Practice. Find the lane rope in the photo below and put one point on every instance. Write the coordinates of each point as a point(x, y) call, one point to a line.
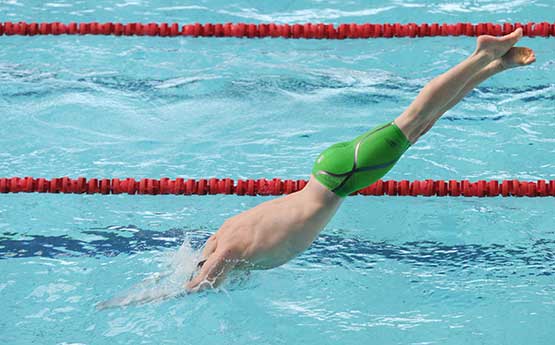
point(275, 186)
point(251, 30)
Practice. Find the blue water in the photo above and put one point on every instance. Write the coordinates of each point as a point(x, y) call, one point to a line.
point(385, 270)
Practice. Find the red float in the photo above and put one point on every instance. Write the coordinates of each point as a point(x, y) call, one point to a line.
point(295, 31)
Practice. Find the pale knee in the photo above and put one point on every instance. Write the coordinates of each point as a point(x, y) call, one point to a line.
point(426, 129)
point(413, 125)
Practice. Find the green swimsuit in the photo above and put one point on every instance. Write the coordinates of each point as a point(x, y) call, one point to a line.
point(349, 166)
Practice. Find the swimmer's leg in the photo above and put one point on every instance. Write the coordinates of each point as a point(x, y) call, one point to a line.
point(516, 56)
point(349, 166)
point(446, 90)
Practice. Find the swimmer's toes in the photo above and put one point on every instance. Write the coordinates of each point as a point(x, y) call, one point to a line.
point(518, 56)
point(527, 56)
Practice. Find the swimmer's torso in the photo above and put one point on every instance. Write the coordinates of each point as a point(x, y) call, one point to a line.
point(282, 227)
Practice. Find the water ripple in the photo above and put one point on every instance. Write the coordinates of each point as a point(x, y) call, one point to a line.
point(329, 250)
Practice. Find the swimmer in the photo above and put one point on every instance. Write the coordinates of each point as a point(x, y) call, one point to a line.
point(275, 231)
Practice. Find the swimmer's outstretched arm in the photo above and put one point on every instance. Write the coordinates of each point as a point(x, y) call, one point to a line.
point(274, 232)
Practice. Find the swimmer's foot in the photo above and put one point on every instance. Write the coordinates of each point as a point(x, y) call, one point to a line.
point(495, 47)
point(515, 57)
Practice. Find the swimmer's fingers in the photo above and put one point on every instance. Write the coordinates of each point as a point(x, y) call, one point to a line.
point(212, 273)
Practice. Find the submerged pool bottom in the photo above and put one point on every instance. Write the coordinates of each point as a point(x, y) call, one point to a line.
point(398, 270)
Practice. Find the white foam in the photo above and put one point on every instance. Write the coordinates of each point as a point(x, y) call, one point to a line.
point(308, 15)
point(160, 286)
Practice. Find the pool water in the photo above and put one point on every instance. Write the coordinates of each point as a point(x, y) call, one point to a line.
point(389, 270)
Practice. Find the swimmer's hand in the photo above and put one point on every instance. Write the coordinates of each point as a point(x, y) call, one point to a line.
point(266, 236)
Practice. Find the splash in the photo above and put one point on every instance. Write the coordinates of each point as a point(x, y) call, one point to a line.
point(160, 286)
